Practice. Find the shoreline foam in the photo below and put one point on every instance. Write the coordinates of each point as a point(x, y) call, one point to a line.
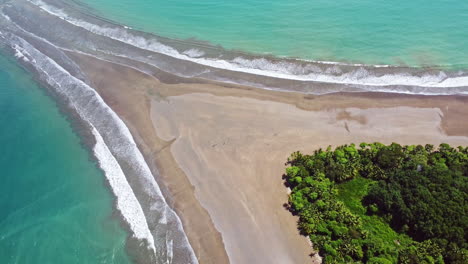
point(303, 71)
point(209, 241)
point(188, 112)
point(127, 203)
point(119, 143)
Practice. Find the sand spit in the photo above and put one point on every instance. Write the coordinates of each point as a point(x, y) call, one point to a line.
point(221, 149)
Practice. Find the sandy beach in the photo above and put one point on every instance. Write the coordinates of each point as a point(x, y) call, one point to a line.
point(221, 149)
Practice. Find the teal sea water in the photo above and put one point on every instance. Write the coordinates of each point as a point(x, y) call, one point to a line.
point(416, 33)
point(55, 206)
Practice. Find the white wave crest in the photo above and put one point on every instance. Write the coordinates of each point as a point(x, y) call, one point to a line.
point(194, 53)
point(265, 67)
point(126, 200)
point(127, 203)
point(19, 53)
point(114, 142)
point(170, 252)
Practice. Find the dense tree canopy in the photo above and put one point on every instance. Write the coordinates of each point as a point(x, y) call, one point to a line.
point(383, 204)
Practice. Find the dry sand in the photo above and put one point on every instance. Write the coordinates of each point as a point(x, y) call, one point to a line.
point(221, 150)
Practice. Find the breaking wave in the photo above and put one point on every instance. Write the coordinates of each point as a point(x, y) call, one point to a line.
point(298, 70)
point(38, 31)
point(114, 146)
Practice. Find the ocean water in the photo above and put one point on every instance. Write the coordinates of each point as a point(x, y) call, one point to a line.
point(55, 206)
point(82, 27)
point(64, 207)
point(40, 41)
point(400, 32)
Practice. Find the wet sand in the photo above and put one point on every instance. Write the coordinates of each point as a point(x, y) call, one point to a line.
point(221, 149)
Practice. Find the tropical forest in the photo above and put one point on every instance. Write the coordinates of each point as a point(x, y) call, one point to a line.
point(381, 203)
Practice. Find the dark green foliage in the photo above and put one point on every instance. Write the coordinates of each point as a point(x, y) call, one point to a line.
point(348, 200)
point(429, 195)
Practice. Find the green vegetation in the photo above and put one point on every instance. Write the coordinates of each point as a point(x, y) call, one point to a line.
point(383, 204)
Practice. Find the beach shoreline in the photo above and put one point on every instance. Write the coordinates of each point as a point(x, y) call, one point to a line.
point(159, 115)
point(195, 137)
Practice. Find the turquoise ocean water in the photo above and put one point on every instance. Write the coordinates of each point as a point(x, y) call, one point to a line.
point(400, 32)
point(55, 206)
point(54, 203)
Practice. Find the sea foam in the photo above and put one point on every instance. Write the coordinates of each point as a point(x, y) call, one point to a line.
point(266, 67)
point(113, 142)
point(127, 203)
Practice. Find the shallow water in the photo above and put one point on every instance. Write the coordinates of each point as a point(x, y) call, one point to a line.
point(55, 206)
point(68, 26)
point(417, 33)
point(35, 38)
point(41, 33)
